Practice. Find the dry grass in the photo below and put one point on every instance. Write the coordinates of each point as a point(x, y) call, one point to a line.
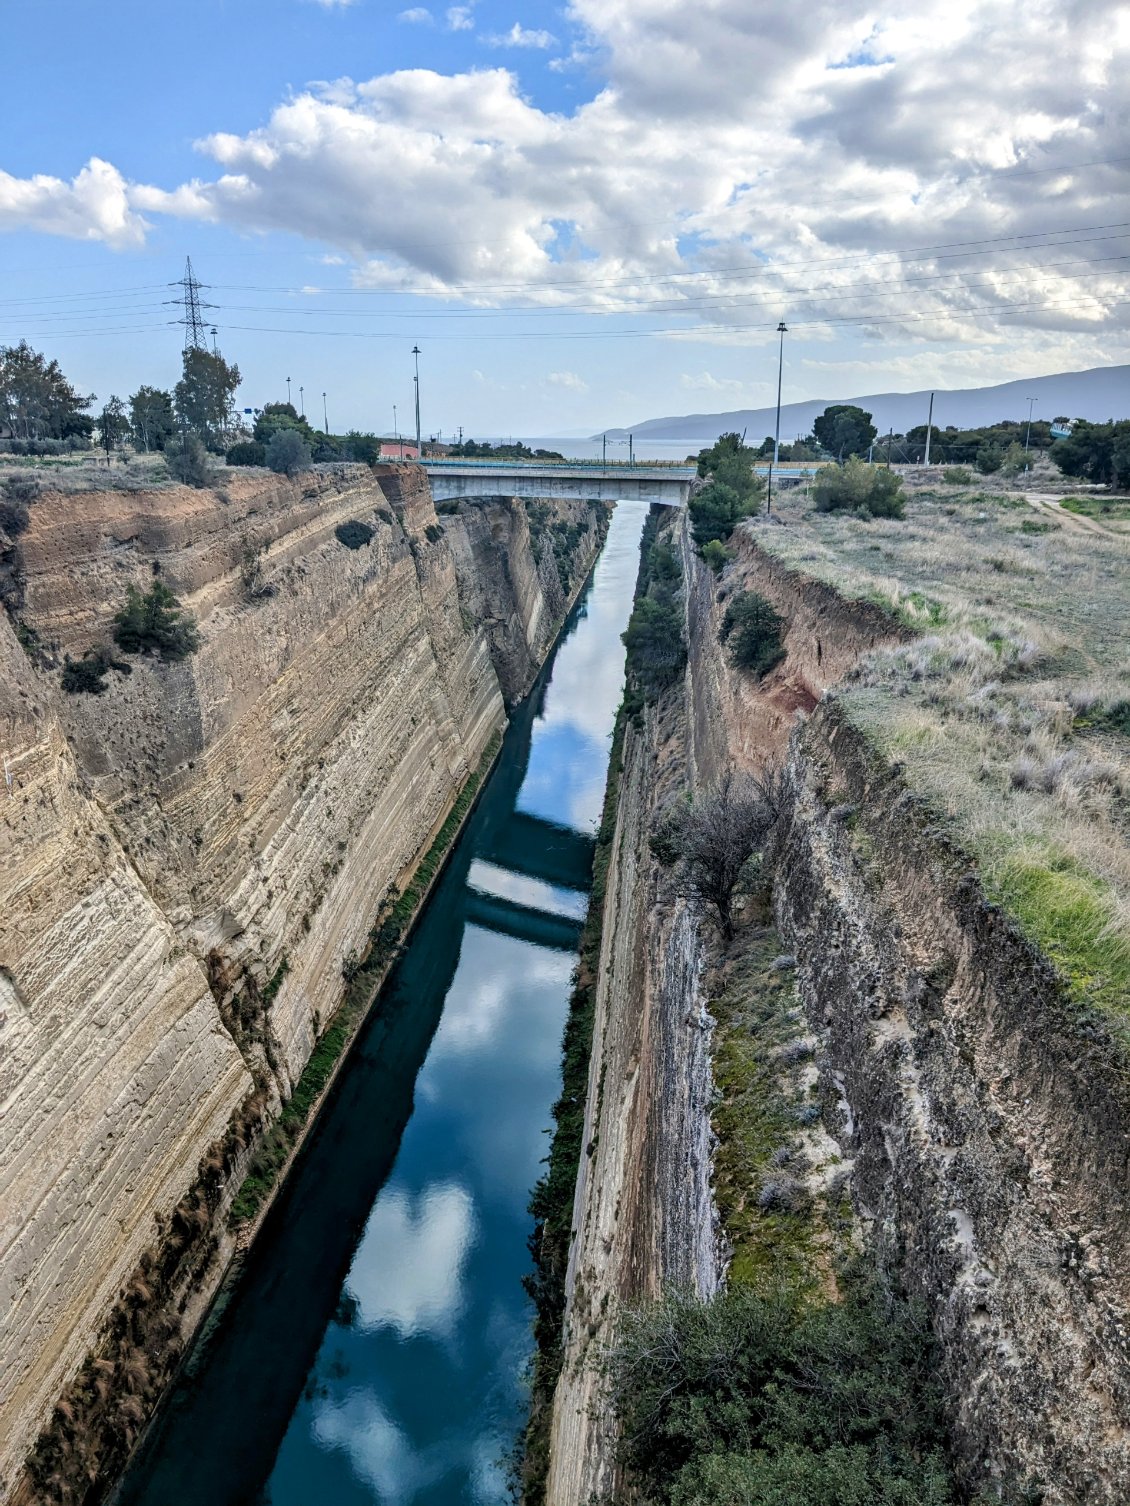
point(1011, 708)
point(87, 471)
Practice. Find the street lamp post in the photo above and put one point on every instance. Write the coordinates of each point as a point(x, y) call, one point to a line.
point(604, 449)
point(782, 331)
point(325, 416)
point(395, 429)
point(416, 354)
point(288, 402)
point(302, 402)
point(631, 449)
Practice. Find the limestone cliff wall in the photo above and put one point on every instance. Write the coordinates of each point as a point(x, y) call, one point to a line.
point(987, 1122)
point(202, 829)
point(983, 1122)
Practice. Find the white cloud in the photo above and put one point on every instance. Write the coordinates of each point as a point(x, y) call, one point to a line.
point(567, 379)
point(418, 15)
point(706, 382)
point(519, 36)
point(94, 206)
point(813, 196)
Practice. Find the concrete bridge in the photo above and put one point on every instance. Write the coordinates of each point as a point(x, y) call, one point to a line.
point(644, 481)
point(669, 484)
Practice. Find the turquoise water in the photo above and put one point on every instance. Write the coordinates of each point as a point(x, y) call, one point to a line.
point(375, 1347)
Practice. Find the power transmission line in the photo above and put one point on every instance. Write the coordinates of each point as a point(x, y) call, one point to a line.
point(195, 334)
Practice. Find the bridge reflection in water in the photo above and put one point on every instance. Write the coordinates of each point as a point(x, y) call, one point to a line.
point(373, 1350)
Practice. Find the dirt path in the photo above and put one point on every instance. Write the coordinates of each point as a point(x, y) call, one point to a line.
point(1072, 519)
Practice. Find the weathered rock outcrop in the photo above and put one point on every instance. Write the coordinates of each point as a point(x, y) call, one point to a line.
point(204, 844)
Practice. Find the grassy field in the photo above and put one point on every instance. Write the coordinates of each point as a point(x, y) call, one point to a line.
point(1010, 708)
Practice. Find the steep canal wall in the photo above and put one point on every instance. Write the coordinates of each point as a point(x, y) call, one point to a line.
point(190, 865)
point(964, 1123)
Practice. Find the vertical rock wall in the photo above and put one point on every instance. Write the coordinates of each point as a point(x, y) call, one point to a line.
point(205, 842)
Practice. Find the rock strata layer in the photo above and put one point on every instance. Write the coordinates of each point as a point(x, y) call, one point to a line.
point(188, 860)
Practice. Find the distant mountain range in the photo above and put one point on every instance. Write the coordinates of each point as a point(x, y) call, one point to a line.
point(1099, 394)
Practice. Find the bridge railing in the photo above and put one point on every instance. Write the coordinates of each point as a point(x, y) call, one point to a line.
point(676, 467)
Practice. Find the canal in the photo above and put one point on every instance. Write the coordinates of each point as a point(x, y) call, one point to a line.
point(375, 1347)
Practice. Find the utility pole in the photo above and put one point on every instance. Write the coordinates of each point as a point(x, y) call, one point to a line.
point(416, 354)
point(631, 450)
point(604, 450)
point(929, 424)
point(395, 428)
point(890, 442)
point(288, 401)
point(782, 331)
point(325, 416)
point(1028, 431)
point(215, 352)
point(302, 402)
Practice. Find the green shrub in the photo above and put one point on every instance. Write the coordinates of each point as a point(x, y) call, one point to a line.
point(354, 534)
point(187, 460)
point(716, 511)
point(287, 452)
point(988, 459)
point(759, 1400)
point(155, 621)
point(433, 532)
point(87, 676)
point(856, 486)
point(248, 452)
point(716, 555)
point(14, 517)
point(957, 475)
point(753, 630)
point(654, 640)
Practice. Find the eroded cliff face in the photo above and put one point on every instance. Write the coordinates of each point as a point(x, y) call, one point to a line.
point(189, 858)
point(987, 1122)
point(982, 1121)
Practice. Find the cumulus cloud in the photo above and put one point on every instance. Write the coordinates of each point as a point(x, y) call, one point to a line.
point(94, 206)
point(417, 15)
point(519, 36)
point(930, 176)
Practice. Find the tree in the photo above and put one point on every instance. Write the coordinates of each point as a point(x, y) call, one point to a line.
point(843, 430)
point(248, 452)
point(113, 426)
point(204, 396)
point(155, 620)
point(151, 414)
point(989, 458)
point(858, 487)
point(288, 453)
point(713, 839)
point(276, 416)
point(753, 630)
point(364, 447)
point(729, 462)
point(36, 400)
point(187, 460)
point(1089, 451)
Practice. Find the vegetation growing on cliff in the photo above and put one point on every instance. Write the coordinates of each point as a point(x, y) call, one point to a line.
point(753, 630)
point(657, 650)
point(868, 490)
point(761, 1399)
point(733, 491)
point(155, 621)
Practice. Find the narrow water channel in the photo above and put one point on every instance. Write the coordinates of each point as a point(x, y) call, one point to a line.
point(374, 1349)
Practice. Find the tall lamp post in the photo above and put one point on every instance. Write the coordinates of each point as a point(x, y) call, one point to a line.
point(288, 402)
point(325, 417)
point(302, 402)
point(416, 354)
point(782, 331)
point(929, 427)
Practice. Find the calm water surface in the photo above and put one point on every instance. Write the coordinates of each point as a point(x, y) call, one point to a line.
point(375, 1347)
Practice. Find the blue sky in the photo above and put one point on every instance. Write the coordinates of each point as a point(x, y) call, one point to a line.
point(585, 214)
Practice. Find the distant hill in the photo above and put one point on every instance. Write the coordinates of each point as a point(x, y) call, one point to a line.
point(1099, 394)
